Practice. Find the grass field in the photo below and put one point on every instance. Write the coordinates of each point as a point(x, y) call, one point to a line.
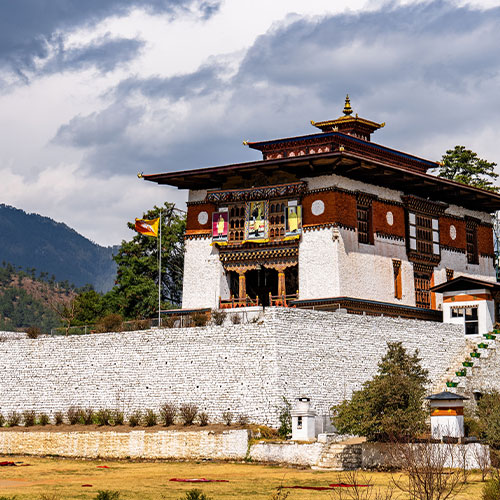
point(64, 478)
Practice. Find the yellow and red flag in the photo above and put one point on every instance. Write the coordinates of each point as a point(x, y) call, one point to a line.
point(147, 227)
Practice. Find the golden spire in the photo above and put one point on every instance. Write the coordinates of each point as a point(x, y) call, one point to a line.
point(347, 107)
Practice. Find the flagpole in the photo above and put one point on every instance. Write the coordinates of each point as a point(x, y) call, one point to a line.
point(159, 276)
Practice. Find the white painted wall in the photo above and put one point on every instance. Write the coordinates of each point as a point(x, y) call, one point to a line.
point(318, 265)
point(204, 278)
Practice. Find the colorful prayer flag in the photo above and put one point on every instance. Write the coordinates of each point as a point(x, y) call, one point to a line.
point(147, 227)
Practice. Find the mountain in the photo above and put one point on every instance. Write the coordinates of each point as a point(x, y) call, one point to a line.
point(32, 241)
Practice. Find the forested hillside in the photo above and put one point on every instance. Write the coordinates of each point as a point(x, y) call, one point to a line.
point(29, 301)
point(31, 241)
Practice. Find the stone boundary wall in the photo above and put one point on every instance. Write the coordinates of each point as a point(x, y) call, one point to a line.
point(174, 445)
point(246, 369)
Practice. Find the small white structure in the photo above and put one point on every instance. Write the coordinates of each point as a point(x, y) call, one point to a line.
point(447, 415)
point(469, 302)
point(303, 420)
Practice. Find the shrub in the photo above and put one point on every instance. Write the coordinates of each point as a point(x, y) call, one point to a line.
point(491, 489)
point(150, 418)
point(488, 411)
point(285, 418)
point(13, 419)
point(235, 319)
point(13, 497)
point(107, 495)
point(168, 411)
point(33, 332)
point(2, 420)
point(227, 417)
point(111, 323)
point(102, 417)
point(265, 432)
point(49, 496)
point(29, 418)
point(58, 417)
point(199, 319)
point(43, 419)
point(73, 415)
point(188, 413)
point(87, 416)
point(135, 418)
point(218, 316)
point(139, 324)
point(118, 417)
point(390, 405)
point(203, 418)
point(195, 495)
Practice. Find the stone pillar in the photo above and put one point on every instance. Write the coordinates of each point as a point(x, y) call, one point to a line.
point(281, 283)
point(242, 285)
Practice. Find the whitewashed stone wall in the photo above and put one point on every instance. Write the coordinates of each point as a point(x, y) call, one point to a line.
point(204, 277)
point(246, 369)
point(199, 445)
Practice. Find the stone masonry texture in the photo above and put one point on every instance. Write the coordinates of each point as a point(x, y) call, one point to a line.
point(246, 369)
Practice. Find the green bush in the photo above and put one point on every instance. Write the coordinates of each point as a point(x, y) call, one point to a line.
point(118, 417)
point(43, 419)
point(2, 420)
point(390, 405)
point(14, 419)
point(107, 495)
point(87, 416)
point(285, 418)
point(491, 489)
point(102, 417)
point(135, 418)
point(150, 418)
point(58, 418)
point(488, 412)
point(168, 411)
point(195, 495)
point(29, 418)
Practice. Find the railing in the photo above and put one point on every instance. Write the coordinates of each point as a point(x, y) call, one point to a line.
point(282, 300)
point(238, 302)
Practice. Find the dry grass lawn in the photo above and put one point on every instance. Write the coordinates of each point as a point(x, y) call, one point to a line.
point(64, 478)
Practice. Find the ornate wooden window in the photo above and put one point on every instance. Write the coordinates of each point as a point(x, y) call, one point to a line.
point(449, 274)
point(277, 219)
point(364, 216)
point(398, 289)
point(423, 234)
point(422, 289)
point(236, 222)
point(471, 236)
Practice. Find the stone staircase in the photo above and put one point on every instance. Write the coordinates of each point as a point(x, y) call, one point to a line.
point(339, 457)
point(461, 377)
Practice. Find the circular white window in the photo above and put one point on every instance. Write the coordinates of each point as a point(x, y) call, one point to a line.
point(203, 218)
point(453, 232)
point(318, 207)
point(389, 218)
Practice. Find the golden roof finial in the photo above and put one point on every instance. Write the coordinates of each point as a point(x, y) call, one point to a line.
point(347, 107)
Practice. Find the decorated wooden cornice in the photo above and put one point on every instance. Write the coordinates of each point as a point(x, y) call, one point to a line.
point(424, 206)
point(336, 189)
point(259, 255)
point(388, 236)
point(452, 249)
point(326, 225)
point(420, 267)
point(258, 193)
point(197, 235)
point(471, 222)
point(364, 199)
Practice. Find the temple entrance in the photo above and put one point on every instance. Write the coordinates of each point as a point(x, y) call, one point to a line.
point(264, 281)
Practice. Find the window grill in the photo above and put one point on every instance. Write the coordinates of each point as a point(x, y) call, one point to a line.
point(422, 290)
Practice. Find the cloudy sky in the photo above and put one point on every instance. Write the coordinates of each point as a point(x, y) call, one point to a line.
point(94, 91)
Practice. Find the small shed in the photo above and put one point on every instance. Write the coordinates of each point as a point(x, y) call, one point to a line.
point(470, 302)
point(447, 415)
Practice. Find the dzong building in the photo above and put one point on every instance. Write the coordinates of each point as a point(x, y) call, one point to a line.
point(333, 220)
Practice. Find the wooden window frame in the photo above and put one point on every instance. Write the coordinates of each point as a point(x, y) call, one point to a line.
point(423, 235)
point(472, 249)
point(364, 218)
point(398, 288)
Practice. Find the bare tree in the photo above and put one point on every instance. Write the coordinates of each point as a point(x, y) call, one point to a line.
point(481, 454)
point(429, 471)
point(66, 312)
point(359, 487)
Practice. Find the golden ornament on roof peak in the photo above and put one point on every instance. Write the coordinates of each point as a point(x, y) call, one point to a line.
point(347, 106)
